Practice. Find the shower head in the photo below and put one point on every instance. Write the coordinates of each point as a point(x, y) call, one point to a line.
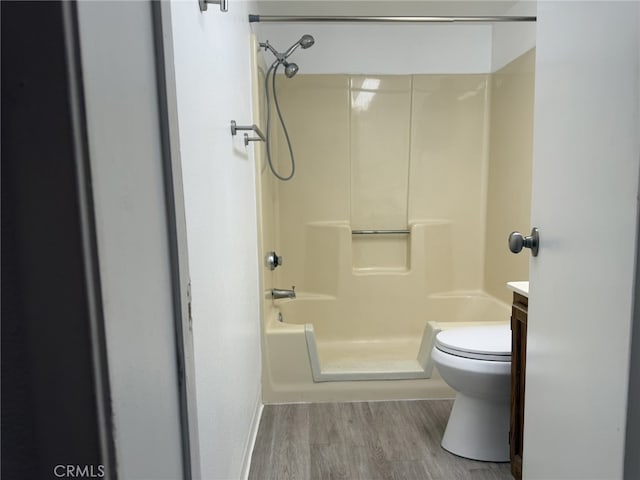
point(290, 69)
point(305, 42)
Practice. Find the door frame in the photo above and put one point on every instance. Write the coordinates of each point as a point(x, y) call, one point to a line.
point(177, 234)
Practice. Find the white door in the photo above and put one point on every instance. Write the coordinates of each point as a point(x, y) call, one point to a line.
point(585, 187)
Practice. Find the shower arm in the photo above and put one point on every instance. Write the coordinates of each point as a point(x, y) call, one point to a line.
point(280, 56)
point(267, 46)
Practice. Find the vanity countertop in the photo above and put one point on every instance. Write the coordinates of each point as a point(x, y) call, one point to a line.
point(520, 287)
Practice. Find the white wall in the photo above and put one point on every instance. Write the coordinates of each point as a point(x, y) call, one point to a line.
point(384, 48)
point(381, 48)
point(213, 73)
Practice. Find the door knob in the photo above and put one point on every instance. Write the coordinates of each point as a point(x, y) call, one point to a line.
point(517, 241)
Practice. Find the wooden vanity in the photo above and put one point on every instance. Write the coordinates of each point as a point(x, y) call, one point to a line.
point(519, 311)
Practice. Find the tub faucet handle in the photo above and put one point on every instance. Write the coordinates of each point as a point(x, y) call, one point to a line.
point(273, 260)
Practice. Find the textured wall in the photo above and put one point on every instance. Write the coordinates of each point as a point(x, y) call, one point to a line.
point(213, 77)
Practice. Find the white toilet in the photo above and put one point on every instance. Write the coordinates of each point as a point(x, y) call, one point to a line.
point(476, 362)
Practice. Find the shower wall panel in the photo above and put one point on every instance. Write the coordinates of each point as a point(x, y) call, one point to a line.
point(509, 186)
point(383, 152)
point(379, 150)
point(316, 112)
point(266, 188)
point(448, 165)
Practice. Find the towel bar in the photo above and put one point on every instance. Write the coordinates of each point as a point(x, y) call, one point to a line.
point(235, 127)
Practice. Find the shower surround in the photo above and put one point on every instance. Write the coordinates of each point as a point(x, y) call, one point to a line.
point(406, 152)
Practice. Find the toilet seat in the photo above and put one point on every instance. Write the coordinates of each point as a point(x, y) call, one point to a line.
point(487, 342)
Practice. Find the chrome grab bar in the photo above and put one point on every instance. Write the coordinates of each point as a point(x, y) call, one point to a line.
point(380, 232)
point(235, 127)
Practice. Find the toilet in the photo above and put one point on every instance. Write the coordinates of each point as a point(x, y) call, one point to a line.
point(476, 363)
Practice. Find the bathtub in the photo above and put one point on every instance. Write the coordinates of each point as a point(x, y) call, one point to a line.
point(323, 348)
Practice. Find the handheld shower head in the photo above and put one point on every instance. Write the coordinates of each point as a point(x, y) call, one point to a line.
point(305, 42)
point(290, 69)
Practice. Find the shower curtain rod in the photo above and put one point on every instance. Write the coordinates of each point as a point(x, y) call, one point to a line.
point(392, 19)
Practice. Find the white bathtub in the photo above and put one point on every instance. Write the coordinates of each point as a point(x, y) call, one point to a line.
point(322, 348)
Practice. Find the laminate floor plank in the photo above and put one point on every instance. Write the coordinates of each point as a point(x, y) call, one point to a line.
point(398, 432)
point(397, 440)
point(339, 461)
point(284, 452)
point(344, 423)
point(410, 471)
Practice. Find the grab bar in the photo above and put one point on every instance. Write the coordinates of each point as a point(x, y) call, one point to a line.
point(380, 232)
point(235, 127)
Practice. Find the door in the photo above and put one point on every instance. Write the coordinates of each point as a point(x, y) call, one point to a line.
point(584, 201)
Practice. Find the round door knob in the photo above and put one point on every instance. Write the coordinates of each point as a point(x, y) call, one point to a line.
point(517, 242)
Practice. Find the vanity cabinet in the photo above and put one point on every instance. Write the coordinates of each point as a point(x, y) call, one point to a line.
point(518, 366)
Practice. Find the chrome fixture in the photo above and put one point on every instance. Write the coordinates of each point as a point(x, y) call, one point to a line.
point(273, 260)
point(224, 5)
point(517, 241)
point(290, 70)
point(235, 127)
point(380, 232)
point(282, 293)
point(395, 19)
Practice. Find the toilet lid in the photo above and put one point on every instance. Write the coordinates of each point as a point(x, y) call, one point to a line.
point(487, 342)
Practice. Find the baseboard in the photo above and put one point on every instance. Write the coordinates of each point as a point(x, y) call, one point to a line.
point(251, 440)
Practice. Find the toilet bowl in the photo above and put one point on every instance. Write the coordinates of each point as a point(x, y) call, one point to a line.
point(476, 362)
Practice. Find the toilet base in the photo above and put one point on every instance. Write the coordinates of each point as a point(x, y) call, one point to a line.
point(478, 429)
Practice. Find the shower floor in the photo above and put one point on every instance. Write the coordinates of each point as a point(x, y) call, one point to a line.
point(397, 357)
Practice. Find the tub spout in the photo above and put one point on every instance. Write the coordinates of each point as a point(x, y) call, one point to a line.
point(281, 293)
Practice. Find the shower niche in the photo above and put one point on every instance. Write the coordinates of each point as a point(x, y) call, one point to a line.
point(381, 251)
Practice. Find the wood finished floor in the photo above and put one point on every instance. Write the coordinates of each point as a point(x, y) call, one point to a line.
point(368, 440)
